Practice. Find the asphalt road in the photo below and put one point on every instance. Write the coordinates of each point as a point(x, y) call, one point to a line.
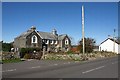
point(100, 68)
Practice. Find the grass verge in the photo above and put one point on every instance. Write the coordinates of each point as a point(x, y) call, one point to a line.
point(12, 60)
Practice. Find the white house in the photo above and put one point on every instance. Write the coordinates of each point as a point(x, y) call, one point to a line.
point(110, 45)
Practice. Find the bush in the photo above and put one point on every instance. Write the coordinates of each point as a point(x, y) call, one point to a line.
point(23, 51)
point(69, 52)
point(29, 50)
point(27, 56)
point(37, 56)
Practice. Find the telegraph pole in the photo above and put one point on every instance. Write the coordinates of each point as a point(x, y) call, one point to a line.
point(83, 29)
point(114, 42)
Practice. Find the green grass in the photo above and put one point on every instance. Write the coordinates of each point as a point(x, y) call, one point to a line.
point(12, 60)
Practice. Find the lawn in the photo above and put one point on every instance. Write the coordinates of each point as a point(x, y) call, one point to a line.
point(11, 60)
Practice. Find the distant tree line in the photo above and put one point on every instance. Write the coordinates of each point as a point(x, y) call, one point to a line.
point(6, 46)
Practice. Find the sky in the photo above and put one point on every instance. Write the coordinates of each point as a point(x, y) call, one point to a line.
point(101, 18)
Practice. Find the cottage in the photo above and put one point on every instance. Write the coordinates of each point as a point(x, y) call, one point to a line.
point(37, 39)
point(110, 45)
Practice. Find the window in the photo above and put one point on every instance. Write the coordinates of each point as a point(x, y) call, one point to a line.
point(55, 42)
point(43, 40)
point(34, 39)
point(66, 41)
point(50, 41)
point(47, 41)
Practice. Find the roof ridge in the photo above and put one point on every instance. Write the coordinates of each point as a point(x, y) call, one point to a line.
point(110, 39)
point(44, 32)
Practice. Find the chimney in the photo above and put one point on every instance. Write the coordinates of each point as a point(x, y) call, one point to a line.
point(33, 28)
point(54, 31)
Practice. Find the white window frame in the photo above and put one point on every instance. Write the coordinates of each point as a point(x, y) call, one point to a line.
point(35, 39)
point(47, 42)
point(43, 40)
point(52, 42)
point(56, 42)
point(66, 41)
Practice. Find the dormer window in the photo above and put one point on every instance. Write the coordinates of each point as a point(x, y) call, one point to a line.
point(55, 42)
point(47, 41)
point(52, 42)
point(34, 39)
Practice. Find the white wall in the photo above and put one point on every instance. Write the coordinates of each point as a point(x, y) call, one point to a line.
point(108, 46)
point(119, 49)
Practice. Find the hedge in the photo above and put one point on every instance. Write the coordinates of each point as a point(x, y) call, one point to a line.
point(23, 51)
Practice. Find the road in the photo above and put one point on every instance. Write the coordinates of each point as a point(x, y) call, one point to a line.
point(100, 68)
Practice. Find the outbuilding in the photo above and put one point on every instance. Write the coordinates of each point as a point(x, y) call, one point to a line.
point(110, 45)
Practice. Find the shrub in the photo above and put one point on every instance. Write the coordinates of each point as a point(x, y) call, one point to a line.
point(69, 52)
point(23, 51)
point(27, 56)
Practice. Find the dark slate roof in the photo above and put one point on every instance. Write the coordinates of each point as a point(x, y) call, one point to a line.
point(111, 40)
point(24, 34)
point(46, 35)
point(43, 35)
point(61, 37)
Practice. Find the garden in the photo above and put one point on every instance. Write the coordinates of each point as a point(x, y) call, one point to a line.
point(78, 57)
